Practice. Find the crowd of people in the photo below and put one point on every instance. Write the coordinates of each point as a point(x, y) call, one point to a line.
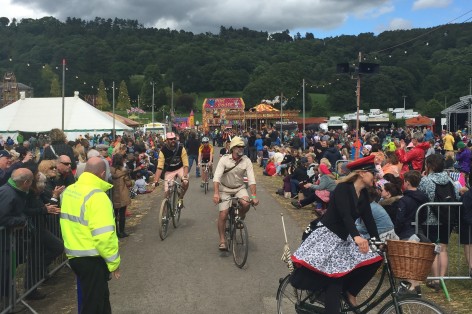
point(397, 170)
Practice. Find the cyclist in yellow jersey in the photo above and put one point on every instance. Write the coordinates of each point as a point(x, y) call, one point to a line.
point(205, 156)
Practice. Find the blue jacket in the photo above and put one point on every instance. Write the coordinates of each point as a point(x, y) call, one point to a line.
point(382, 221)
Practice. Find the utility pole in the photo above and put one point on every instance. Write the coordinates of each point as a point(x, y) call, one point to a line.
point(152, 115)
point(404, 106)
point(63, 89)
point(114, 131)
point(281, 112)
point(303, 133)
point(358, 93)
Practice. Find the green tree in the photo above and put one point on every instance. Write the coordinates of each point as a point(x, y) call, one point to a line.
point(123, 97)
point(55, 87)
point(102, 98)
point(431, 108)
point(319, 110)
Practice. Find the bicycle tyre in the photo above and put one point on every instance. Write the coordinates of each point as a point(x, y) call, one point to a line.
point(412, 305)
point(228, 232)
point(240, 245)
point(291, 300)
point(164, 217)
point(175, 209)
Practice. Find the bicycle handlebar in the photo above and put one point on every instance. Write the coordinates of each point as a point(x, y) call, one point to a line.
point(237, 198)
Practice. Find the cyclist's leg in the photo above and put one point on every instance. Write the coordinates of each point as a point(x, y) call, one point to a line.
point(244, 202)
point(358, 278)
point(204, 173)
point(180, 174)
point(223, 208)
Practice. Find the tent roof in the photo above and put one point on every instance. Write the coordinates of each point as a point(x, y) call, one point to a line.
point(124, 120)
point(419, 121)
point(263, 108)
point(44, 114)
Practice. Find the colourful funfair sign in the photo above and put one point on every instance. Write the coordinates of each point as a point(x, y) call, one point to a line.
point(223, 103)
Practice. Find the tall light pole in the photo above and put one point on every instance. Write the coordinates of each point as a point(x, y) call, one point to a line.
point(303, 134)
point(114, 131)
point(63, 89)
point(152, 115)
point(281, 112)
point(404, 104)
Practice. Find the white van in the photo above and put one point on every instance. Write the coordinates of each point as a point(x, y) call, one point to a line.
point(156, 127)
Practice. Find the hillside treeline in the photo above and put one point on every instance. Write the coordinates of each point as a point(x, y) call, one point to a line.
point(431, 67)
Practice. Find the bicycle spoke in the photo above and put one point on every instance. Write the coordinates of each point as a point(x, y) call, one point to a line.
point(240, 243)
point(164, 218)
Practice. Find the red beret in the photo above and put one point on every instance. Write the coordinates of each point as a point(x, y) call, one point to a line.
point(366, 163)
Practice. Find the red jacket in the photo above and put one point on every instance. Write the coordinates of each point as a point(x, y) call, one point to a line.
point(270, 168)
point(415, 156)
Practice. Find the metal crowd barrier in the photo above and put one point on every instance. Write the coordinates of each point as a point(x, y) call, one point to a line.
point(29, 256)
point(454, 265)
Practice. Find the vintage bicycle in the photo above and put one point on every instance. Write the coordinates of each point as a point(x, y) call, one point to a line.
point(170, 209)
point(291, 300)
point(205, 174)
point(236, 234)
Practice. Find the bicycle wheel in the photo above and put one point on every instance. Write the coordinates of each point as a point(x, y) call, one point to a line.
point(206, 186)
point(291, 300)
point(164, 218)
point(175, 209)
point(240, 243)
point(412, 305)
point(228, 231)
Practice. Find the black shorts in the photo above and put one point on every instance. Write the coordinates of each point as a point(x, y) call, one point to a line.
point(465, 234)
point(437, 236)
point(205, 160)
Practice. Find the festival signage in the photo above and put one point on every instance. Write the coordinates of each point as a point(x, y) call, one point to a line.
point(223, 103)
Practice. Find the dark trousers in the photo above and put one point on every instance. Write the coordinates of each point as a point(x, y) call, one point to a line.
point(303, 278)
point(253, 153)
point(191, 159)
point(93, 274)
point(310, 199)
point(43, 249)
point(120, 219)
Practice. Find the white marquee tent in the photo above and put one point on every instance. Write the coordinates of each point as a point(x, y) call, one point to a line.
point(43, 114)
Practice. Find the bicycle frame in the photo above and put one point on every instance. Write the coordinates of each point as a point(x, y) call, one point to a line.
point(307, 303)
point(169, 209)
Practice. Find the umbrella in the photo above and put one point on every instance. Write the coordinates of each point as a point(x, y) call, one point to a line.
point(286, 254)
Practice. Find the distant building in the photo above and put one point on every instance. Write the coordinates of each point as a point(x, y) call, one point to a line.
point(10, 90)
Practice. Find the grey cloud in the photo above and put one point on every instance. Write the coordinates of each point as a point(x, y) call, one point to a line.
point(208, 15)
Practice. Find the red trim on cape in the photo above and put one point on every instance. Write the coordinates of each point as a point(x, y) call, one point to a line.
point(335, 275)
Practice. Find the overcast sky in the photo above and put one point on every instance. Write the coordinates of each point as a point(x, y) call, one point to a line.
point(323, 18)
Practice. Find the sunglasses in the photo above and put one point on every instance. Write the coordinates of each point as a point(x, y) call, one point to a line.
point(66, 163)
point(171, 139)
point(52, 168)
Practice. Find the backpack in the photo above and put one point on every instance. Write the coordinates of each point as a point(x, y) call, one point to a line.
point(446, 194)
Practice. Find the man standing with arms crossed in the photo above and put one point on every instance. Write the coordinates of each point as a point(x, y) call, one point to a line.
point(229, 178)
point(90, 240)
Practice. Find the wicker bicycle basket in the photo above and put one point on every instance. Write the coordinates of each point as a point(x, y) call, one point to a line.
point(410, 260)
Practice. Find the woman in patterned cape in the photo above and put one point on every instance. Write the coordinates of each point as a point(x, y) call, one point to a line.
point(334, 257)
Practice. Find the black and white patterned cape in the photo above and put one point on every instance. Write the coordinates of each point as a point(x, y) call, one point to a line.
point(326, 253)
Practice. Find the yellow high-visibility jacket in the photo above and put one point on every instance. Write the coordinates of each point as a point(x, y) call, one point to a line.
point(87, 221)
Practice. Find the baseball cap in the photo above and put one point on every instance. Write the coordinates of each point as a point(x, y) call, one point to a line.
point(170, 135)
point(4, 153)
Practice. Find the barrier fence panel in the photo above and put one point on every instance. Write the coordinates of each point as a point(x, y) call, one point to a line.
point(32, 254)
point(454, 236)
point(6, 297)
